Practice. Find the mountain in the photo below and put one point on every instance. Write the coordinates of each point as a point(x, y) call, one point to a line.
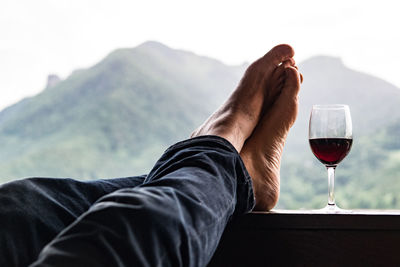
point(115, 118)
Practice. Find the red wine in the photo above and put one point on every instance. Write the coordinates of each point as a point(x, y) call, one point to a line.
point(331, 151)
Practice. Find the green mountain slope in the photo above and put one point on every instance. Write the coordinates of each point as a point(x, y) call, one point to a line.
point(115, 118)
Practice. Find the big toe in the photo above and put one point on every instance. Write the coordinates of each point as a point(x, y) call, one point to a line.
point(280, 53)
point(277, 55)
point(268, 63)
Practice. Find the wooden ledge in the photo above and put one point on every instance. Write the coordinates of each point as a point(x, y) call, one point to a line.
point(311, 238)
point(314, 219)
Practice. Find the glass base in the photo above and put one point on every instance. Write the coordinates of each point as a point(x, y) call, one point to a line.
point(334, 209)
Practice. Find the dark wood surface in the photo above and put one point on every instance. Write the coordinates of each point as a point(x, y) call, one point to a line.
point(311, 238)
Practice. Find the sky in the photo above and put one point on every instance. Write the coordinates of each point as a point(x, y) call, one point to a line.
point(58, 36)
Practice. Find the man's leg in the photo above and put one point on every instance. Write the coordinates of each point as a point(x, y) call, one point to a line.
point(33, 211)
point(174, 219)
point(178, 215)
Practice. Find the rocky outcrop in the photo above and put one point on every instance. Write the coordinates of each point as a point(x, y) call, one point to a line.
point(52, 80)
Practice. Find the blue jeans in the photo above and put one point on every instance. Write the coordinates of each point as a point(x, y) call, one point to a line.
point(174, 216)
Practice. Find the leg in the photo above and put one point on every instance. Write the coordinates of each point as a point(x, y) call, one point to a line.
point(35, 210)
point(175, 218)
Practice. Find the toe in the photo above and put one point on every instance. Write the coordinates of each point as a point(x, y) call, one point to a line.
point(268, 63)
point(280, 72)
point(289, 62)
point(279, 54)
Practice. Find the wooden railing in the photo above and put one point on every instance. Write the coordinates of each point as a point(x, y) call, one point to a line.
point(311, 238)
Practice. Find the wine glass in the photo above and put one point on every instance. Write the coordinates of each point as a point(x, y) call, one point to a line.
point(330, 136)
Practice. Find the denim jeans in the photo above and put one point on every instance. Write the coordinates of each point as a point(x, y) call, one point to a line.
point(174, 216)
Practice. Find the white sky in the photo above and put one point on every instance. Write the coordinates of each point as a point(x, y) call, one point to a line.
point(57, 36)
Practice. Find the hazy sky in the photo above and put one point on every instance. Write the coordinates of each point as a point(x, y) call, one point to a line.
point(57, 36)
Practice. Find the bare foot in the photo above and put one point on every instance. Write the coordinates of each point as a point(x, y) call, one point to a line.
point(263, 150)
point(236, 119)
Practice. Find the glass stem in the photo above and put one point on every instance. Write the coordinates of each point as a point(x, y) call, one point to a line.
point(331, 185)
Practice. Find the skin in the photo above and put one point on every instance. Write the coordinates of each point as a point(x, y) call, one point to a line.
point(257, 117)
